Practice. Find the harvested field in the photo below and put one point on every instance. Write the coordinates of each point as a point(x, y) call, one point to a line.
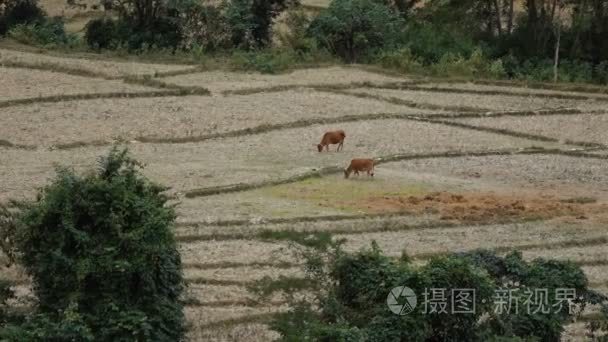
point(243, 274)
point(582, 255)
point(242, 251)
point(316, 3)
point(425, 242)
point(478, 207)
point(216, 293)
point(247, 332)
point(582, 128)
point(20, 83)
point(248, 181)
point(511, 89)
point(485, 102)
point(597, 275)
point(257, 158)
point(551, 174)
point(168, 118)
point(205, 316)
point(101, 68)
point(218, 82)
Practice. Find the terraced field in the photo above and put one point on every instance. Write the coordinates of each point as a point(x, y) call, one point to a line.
point(459, 166)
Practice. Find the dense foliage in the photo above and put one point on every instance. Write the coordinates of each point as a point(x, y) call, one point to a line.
point(18, 12)
point(350, 302)
point(48, 31)
point(354, 29)
point(187, 24)
point(101, 254)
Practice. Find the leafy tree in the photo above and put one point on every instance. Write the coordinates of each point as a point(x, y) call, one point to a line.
point(251, 20)
point(354, 29)
point(16, 12)
point(101, 254)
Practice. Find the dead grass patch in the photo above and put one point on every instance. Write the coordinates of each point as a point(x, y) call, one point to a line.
point(101, 68)
point(588, 128)
point(24, 83)
point(481, 100)
point(478, 207)
point(221, 81)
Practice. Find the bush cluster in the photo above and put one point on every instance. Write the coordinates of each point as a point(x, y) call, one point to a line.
point(19, 12)
point(45, 32)
point(351, 290)
point(101, 254)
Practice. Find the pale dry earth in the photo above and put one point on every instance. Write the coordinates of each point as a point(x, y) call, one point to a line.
point(581, 128)
point(527, 91)
point(249, 332)
point(484, 102)
point(256, 158)
point(104, 68)
point(46, 124)
point(220, 81)
point(20, 83)
point(316, 3)
point(244, 273)
point(462, 239)
point(550, 174)
point(555, 204)
point(241, 251)
point(583, 254)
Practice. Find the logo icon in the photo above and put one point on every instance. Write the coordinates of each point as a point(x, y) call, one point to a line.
point(408, 304)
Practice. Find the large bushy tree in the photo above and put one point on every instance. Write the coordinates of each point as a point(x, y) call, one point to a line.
point(102, 257)
point(355, 29)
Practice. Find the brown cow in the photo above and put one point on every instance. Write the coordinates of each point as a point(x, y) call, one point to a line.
point(357, 165)
point(331, 138)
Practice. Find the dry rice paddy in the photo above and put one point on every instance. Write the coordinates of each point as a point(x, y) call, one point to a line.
point(19, 83)
point(219, 81)
point(243, 162)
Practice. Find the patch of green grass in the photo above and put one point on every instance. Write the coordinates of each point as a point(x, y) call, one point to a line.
point(345, 194)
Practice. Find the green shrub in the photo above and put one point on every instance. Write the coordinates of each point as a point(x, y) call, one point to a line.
point(163, 33)
point(475, 66)
point(100, 250)
point(19, 12)
point(350, 298)
point(402, 60)
point(601, 72)
point(430, 43)
point(250, 21)
point(101, 33)
point(5, 294)
point(356, 29)
point(44, 32)
point(266, 62)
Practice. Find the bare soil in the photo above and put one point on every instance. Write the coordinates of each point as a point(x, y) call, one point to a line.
point(582, 128)
point(480, 207)
point(104, 68)
point(220, 81)
point(494, 102)
point(550, 206)
point(20, 83)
